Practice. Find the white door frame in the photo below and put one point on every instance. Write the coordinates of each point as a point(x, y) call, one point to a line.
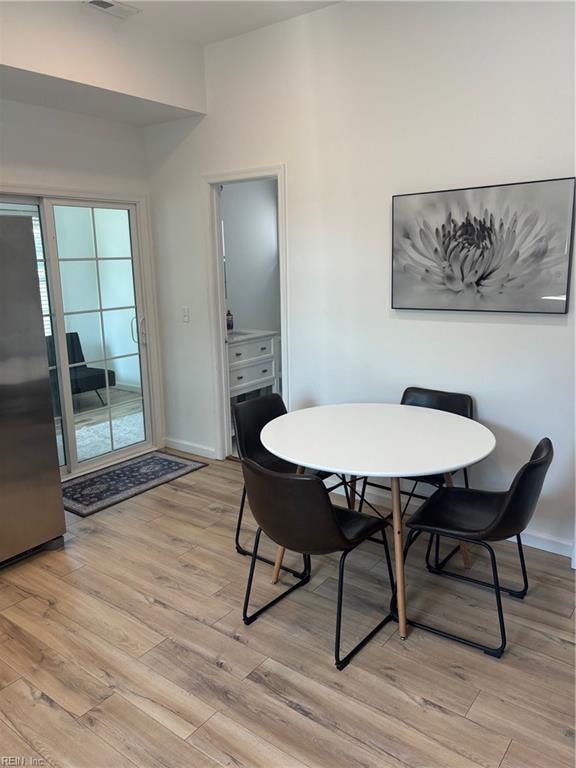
point(218, 299)
point(149, 308)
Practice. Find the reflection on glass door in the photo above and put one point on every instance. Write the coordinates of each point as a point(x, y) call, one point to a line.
point(32, 210)
point(99, 310)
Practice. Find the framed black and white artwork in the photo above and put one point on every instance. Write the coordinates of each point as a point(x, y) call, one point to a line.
point(505, 248)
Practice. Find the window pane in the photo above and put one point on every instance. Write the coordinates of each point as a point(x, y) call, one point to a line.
point(112, 233)
point(128, 424)
point(24, 209)
point(84, 336)
point(57, 410)
point(74, 232)
point(124, 379)
point(79, 285)
point(116, 283)
point(120, 332)
point(93, 437)
point(60, 442)
point(43, 287)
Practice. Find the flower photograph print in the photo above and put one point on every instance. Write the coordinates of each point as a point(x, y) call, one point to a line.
point(505, 248)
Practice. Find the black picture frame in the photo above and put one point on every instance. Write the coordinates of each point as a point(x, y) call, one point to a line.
point(468, 234)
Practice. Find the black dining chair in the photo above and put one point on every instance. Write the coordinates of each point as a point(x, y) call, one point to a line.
point(249, 418)
point(479, 517)
point(452, 402)
point(295, 511)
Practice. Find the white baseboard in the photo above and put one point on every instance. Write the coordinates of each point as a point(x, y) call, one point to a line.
point(553, 544)
point(195, 448)
point(127, 387)
point(548, 544)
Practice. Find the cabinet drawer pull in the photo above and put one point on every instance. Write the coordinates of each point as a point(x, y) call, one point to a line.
point(238, 354)
point(264, 370)
point(262, 349)
point(239, 378)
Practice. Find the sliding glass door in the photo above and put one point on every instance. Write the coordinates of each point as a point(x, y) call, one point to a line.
point(88, 269)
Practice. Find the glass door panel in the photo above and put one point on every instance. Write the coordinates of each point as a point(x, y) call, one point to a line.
point(74, 232)
point(100, 316)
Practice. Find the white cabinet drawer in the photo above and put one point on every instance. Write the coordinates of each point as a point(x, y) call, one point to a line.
point(249, 350)
point(247, 374)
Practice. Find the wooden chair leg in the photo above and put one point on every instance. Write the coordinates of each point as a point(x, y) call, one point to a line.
point(278, 564)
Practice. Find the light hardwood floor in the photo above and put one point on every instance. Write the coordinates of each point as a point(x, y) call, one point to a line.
point(128, 648)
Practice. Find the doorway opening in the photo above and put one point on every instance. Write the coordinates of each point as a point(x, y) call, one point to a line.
point(248, 224)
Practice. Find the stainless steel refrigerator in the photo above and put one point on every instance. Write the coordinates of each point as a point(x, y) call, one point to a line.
point(31, 510)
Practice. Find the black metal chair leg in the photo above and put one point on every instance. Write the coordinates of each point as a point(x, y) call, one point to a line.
point(239, 548)
point(346, 491)
point(343, 662)
point(410, 539)
point(429, 549)
point(439, 569)
point(100, 397)
point(248, 553)
point(497, 652)
point(491, 651)
point(453, 552)
point(363, 494)
point(248, 619)
point(363, 500)
point(388, 561)
point(519, 593)
point(409, 499)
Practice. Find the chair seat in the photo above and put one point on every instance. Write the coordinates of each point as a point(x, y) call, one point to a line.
point(85, 379)
point(464, 512)
point(357, 526)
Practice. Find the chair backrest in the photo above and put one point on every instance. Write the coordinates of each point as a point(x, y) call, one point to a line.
point(293, 510)
point(75, 353)
point(250, 417)
point(522, 498)
point(453, 402)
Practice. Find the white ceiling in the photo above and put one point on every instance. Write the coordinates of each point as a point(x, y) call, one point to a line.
point(209, 22)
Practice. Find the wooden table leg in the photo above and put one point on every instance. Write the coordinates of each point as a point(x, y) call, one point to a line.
point(281, 550)
point(399, 556)
point(278, 564)
point(464, 548)
point(352, 491)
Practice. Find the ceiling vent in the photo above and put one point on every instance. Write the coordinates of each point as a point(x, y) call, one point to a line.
point(120, 10)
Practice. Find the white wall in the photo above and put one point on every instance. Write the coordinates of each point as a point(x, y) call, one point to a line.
point(72, 41)
point(41, 147)
point(44, 148)
point(362, 101)
point(249, 212)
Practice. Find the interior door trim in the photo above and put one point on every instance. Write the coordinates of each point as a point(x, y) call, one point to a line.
point(216, 291)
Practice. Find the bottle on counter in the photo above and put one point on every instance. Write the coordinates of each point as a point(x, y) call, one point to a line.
point(229, 321)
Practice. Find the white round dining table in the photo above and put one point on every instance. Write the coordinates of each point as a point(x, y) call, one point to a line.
point(379, 440)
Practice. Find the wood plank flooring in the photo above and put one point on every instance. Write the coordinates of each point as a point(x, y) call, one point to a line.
point(128, 649)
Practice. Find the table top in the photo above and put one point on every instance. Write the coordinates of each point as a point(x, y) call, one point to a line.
point(378, 439)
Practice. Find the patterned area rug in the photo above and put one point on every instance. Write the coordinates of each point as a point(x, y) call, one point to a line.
point(89, 494)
